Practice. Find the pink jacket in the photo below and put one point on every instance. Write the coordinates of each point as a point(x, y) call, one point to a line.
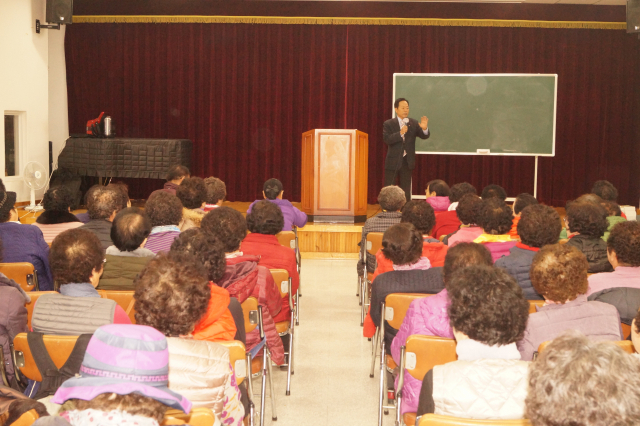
point(439, 204)
point(499, 250)
point(427, 317)
point(465, 235)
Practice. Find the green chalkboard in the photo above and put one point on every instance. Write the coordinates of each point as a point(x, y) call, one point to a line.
point(494, 114)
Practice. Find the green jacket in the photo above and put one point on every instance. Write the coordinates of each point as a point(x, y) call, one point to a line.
point(120, 271)
point(613, 220)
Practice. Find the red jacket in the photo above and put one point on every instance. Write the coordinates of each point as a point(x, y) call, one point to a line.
point(273, 256)
point(446, 223)
point(432, 250)
point(243, 279)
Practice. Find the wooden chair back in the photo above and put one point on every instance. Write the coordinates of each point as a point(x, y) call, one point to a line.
point(625, 345)
point(374, 242)
point(287, 239)
point(199, 416)
point(425, 352)
point(237, 358)
point(18, 272)
point(533, 304)
point(27, 419)
point(59, 348)
point(438, 420)
point(281, 278)
point(397, 305)
point(250, 313)
point(34, 295)
point(124, 299)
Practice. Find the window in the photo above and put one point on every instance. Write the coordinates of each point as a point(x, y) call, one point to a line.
point(11, 141)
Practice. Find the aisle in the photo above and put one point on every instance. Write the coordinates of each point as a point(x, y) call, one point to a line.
point(331, 384)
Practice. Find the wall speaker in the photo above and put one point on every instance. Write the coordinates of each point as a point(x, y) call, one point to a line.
point(59, 11)
point(633, 16)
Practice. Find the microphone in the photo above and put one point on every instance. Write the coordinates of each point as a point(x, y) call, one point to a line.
point(406, 121)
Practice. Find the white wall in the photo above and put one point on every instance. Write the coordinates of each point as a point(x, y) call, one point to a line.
point(24, 83)
point(58, 107)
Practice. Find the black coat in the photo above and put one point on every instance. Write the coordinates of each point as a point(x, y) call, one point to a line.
point(396, 146)
point(596, 251)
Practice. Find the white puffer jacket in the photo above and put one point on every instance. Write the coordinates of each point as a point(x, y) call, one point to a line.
point(201, 372)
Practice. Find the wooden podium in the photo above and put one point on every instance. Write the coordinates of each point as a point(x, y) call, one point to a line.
point(335, 167)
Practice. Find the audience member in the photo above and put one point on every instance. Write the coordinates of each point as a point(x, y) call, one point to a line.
point(447, 222)
point(428, 316)
point(192, 193)
point(223, 320)
point(468, 210)
point(123, 380)
point(21, 406)
point(402, 244)
point(614, 216)
point(457, 191)
point(23, 243)
point(84, 217)
point(635, 333)
point(172, 295)
point(538, 226)
point(123, 189)
point(559, 274)
point(216, 192)
point(438, 195)
point(586, 224)
point(391, 200)
point(264, 222)
point(488, 314)
point(494, 191)
point(585, 198)
point(165, 212)
point(244, 277)
point(605, 190)
point(495, 218)
point(127, 256)
point(76, 260)
point(103, 205)
point(272, 191)
point(57, 216)
point(175, 175)
point(13, 319)
point(577, 381)
point(523, 200)
point(421, 216)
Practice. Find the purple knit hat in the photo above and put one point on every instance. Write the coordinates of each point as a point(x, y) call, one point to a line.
point(124, 359)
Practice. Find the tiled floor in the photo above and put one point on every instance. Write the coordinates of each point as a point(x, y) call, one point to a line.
point(331, 384)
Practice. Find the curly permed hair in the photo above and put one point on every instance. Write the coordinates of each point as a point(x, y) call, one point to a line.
point(103, 201)
point(494, 191)
point(73, 256)
point(612, 208)
point(587, 219)
point(206, 248)
point(463, 255)
point(228, 225)
point(523, 200)
point(265, 218)
point(559, 273)
point(460, 189)
point(172, 294)
point(438, 186)
point(468, 209)
point(391, 198)
point(402, 244)
point(192, 192)
point(57, 199)
point(163, 209)
point(579, 381)
point(216, 190)
point(605, 190)
point(624, 240)
point(495, 217)
point(133, 403)
point(488, 305)
point(539, 225)
point(420, 214)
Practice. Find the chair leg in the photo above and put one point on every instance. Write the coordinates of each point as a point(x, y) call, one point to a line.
point(363, 308)
point(290, 363)
point(250, 389)
point(274, 415)
point(381, 396)
point(358, 287)
point(263, 393)
point(398, 404)
point(298, 307)
point(376, 339)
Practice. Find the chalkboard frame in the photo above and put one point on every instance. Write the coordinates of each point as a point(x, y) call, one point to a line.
point(515, 154)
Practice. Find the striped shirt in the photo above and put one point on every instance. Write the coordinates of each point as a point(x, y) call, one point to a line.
point(161, 238)
point(49, 232)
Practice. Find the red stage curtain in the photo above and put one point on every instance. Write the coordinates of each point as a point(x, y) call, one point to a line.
point(244, 94)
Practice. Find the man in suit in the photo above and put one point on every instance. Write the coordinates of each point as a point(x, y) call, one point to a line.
point(400, 135)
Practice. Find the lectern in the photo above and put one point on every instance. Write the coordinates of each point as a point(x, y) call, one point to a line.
point(334, 175)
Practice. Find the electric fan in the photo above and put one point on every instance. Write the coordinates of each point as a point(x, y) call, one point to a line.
point(36, 178)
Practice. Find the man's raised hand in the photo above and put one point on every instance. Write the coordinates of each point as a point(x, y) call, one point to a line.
point(424, 122)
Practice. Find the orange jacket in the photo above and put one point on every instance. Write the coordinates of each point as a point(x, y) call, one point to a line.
point(217, 323)
point(513, 233)
point(434, 251)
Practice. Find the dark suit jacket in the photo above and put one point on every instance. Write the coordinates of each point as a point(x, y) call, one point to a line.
point(391, 136)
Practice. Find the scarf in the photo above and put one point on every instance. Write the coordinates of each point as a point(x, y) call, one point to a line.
point(164, 228)
point(79, 290)
point(93, 417)
point(469, 350)
point(488, 238)
point(422, 263)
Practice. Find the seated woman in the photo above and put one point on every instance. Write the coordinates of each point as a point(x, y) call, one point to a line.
point(223, 320)
point(192, 193)
point(586, 224)
point(559, 274)
point(468, 209)
point(243, 276)
point(488, 315)
point(172, 295)
point(614, 216)
point(495, 218)
point(421, 216)
point(429, 316)
point(264, 222)
point(216, 192)
point(77, 260)
point(165, 212)
point(56, 216)
point(23, 243)
point(438, 192)
point(122, 381)
point(522, 200)
point(447, 222)
point(538, 226)
point(272, 191)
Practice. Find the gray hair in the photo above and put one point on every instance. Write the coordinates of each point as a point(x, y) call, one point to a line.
point(577, 381)
point(391, 198)
point(216, 190)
